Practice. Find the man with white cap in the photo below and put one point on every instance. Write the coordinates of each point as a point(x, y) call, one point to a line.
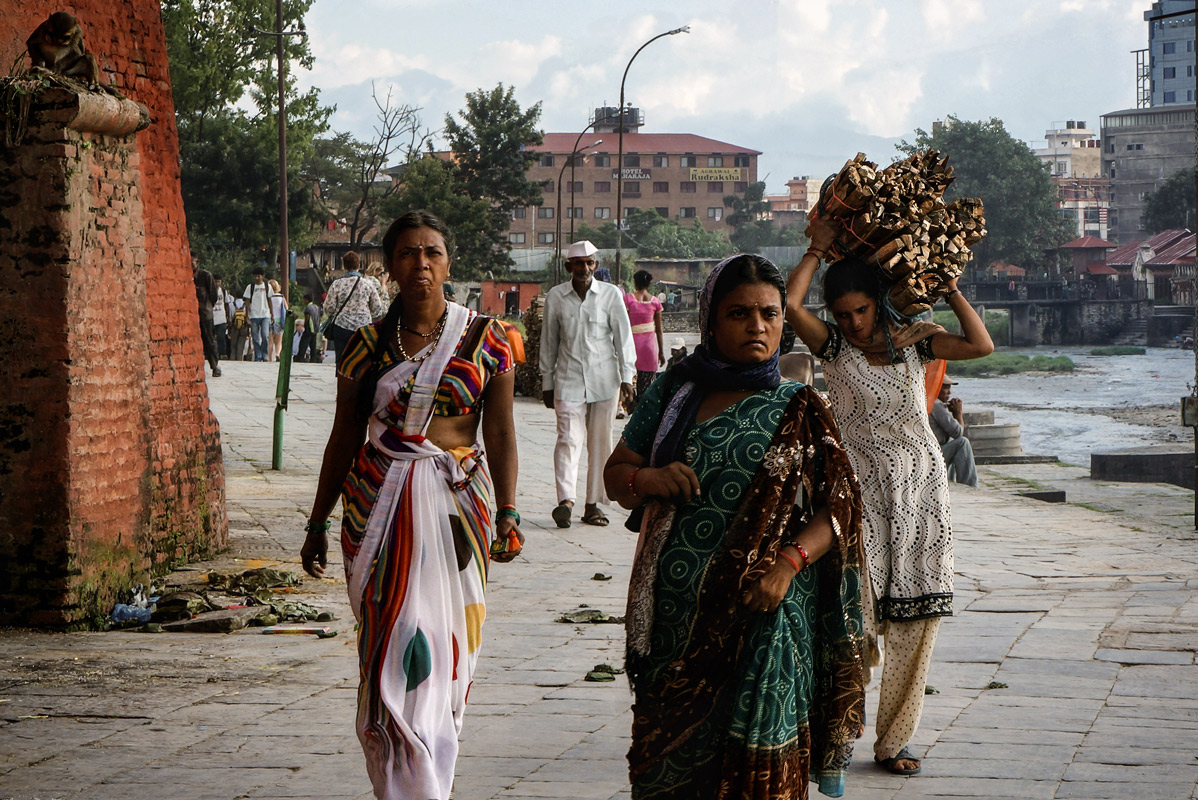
point(588, 361)
point(948, 424)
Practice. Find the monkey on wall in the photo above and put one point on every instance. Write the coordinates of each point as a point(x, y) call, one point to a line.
point(57, 45)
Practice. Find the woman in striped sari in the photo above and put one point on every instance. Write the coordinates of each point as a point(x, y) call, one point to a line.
point(417, 490)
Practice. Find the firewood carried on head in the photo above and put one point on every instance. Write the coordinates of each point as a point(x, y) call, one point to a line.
point(896, 219)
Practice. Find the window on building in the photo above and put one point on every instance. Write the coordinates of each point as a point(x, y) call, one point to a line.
point(687, 212)
point(740, 161)
point(544, 238)
point(578, 160)
point(1092, 215)
point(1110, 148)
point(661, 186)
point(632, 160)
point(715, 187)
point(1189, 70)
point(687, 161)
point(661, 161)
point(574, 213)
point(715, 212)
point(1170, 72)
point(575, 186)
point(627, 210)
point(715, 161)
point(602, 187)
point(662, 211)
point(1062, 167)
point(633, 188)
point(603, 212)
point(1189, 45)
point(1169, 97)
point(545, 212)
point(1168, 48)
point(515, 238)
point(547, 187)
point(519, 213)
point(740, 187)
point(1189, 95)
point(546, 161)
point(602, 161)
point(687, 187)
point(1139, 147)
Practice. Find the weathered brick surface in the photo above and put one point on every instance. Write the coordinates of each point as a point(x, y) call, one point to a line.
point(110, 464)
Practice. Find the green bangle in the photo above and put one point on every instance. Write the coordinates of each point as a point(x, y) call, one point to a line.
point(317, 527)
point(507, 511)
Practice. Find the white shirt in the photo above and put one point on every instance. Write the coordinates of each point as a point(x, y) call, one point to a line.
point(219, 314)
point(586, 345)
point(257, 294)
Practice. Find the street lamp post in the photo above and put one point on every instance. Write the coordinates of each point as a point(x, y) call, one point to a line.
point(557, 238)
point(620, 156)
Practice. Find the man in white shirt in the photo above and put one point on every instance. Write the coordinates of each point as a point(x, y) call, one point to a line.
point(221, 315)
point(948, 424)
point(588, 361)
point(257, 302)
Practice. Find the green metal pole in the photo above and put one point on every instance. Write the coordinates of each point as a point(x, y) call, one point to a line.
point(282, 388)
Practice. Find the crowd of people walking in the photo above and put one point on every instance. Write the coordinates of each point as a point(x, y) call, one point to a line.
point(788, 544)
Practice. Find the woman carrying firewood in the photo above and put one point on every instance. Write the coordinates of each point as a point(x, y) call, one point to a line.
point(874, 369)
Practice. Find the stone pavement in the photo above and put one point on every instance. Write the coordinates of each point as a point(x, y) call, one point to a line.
point(1068, 672)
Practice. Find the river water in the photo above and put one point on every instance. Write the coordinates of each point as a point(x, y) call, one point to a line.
point(1106, 403)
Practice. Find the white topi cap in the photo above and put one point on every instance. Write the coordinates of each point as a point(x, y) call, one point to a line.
point(677, 343)
point(583, 249)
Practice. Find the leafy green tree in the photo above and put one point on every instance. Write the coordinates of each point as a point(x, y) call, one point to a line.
point(1021, 203)
point(228, 154)
point(491, 160)
point(749, 218)
point(429, 183)
point(672, 240)
point(1171, 205)
point(603, 237)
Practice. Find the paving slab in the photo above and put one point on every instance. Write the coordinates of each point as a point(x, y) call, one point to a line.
point(1090, 618)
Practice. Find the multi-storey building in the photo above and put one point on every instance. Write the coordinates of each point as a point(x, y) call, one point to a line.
point(1071, 151)
point(1141, 149)
point(1170, 55)
point(681, 176)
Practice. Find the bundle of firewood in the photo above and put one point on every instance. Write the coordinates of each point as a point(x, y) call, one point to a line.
point(896, 218)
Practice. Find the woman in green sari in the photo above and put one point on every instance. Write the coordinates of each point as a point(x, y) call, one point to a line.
point(744, 616)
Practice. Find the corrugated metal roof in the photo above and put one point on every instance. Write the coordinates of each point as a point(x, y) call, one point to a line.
point(1182, 250)
point(1126, 254)
point(1090, 241)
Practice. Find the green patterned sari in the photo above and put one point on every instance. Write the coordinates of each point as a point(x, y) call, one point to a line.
point(731, 703)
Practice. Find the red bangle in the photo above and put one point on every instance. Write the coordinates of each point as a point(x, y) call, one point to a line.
point(792, 562)
point(802, 554)
point(632, 482)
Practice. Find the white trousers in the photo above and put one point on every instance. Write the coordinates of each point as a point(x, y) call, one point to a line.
point(576, 421)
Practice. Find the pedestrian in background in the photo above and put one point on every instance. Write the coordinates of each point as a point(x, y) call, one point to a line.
point(875, 374)
point(239, 331)
point(351, 303)
point(257, 300)
point(278, 312)
point(307, 342)
point(222, 311)
point(644, 313)
point(205, 286)
point(588, 364)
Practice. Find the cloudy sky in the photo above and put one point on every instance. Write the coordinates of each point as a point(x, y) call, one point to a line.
point(807, 82)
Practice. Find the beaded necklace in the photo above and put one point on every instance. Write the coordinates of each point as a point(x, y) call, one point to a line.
point(435, 332)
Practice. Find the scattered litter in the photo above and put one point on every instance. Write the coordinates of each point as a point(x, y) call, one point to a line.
point(151, 627)
point(930, 690)
point(603, 673)
point(321, 631)
point(252, 580)
point(223, 621)
point(180, 606)
point(601, 576)
point(996, 685)
point(591, 616)
point(136, 611)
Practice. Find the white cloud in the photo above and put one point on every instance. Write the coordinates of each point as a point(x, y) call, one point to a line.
point(512, 62)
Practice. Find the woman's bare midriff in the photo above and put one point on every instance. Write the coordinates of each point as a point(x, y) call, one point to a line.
point(450, 432)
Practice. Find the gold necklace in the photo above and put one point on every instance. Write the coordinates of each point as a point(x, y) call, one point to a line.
point(437, 331)
point(436, 328)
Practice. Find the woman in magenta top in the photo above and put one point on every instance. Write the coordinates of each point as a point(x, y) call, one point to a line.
point(644, 311)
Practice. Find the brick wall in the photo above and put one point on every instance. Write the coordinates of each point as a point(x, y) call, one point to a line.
point(110, 464)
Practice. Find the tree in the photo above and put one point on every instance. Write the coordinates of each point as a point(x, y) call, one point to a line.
point(672, 240)
point(1171, 205)
point(228, 154)
point(603, 237)
point(751, 226)
point(491, 160)
point(1021, 203)
point(431, 184)
point(347, 174)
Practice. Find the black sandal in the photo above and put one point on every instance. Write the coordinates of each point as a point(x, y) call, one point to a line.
point(594, 516)
point(902, 755)
point(561, 514)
